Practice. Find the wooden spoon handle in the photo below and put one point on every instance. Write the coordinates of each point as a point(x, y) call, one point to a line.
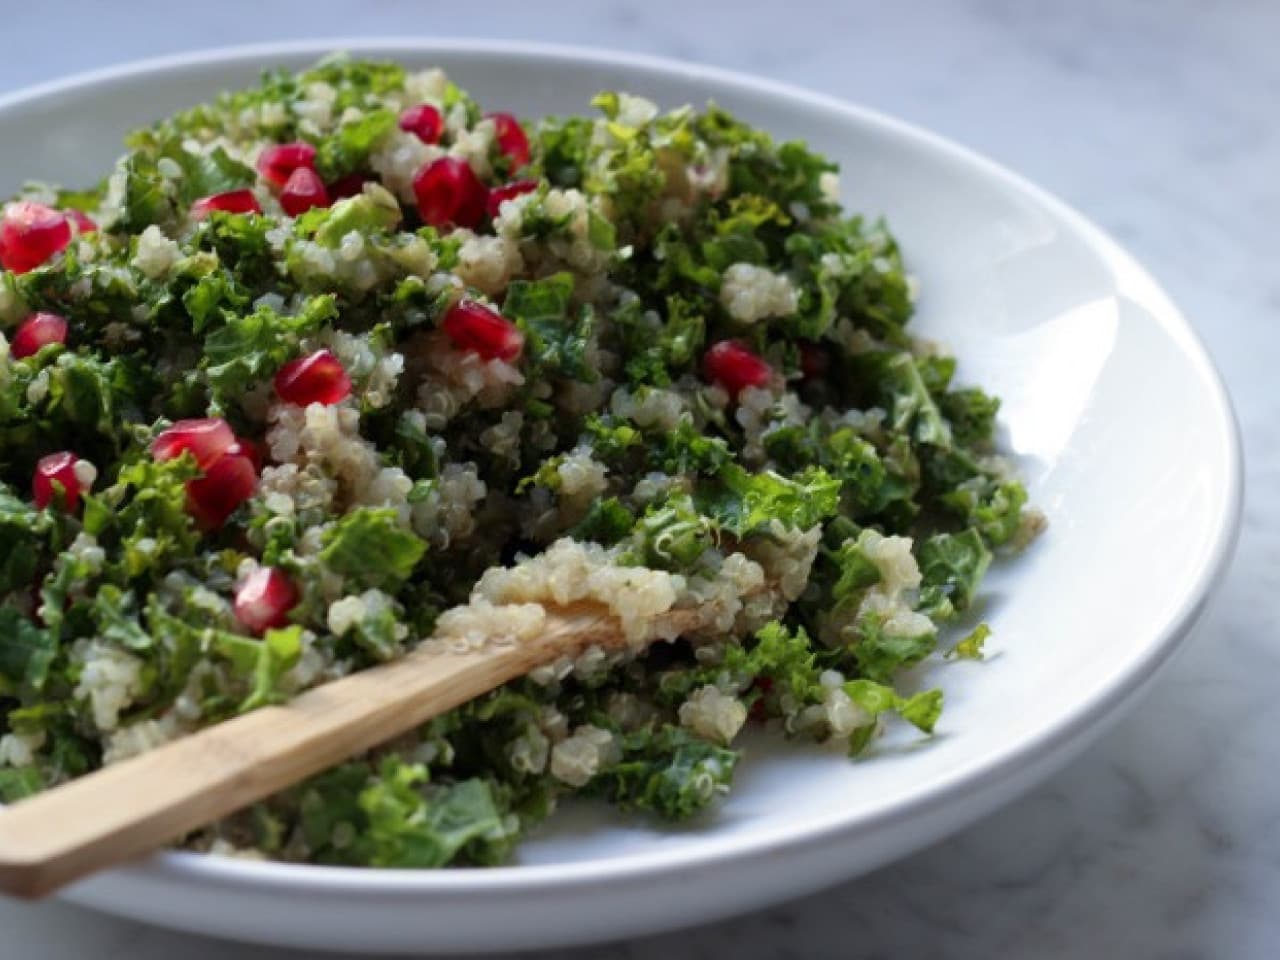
point(142, 803)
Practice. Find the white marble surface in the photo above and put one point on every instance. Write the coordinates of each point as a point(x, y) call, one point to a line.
point(1158, 120)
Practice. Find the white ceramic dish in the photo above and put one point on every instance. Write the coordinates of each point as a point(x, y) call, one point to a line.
point(1119, 420)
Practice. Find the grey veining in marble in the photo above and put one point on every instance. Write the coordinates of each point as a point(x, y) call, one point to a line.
point(1161, 121)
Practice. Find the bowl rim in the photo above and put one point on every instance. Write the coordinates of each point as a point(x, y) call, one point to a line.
point(1076, 726)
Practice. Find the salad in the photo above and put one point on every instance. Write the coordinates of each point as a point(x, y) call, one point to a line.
point(346, 362)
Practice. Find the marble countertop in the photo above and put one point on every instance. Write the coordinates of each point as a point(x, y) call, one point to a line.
point(1159, 121)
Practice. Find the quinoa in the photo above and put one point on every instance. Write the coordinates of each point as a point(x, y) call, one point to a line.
point(637, 362)
point(750, 293)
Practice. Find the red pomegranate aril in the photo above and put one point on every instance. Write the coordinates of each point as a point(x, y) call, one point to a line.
point(733, 365)
point(265, 598)
point(207, 440)
point(759, 710)
point(228, 482)
point(511, 138)
point(500, 195)
point(31, 233)
point(814, 360)
point(349, 186)
point(36, 332)
point(449, 192)
point(84, 223)
point(424, 122)
point(249, 450)
point(57, 469)
point(233, 201)
point(317, 378)
point(278, 162)
point(476, 328)
point(303, 191)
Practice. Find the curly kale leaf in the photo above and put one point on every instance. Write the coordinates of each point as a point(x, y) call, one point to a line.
point(671, 535)
point(372, 549)
point(248, 349)
point(556, 335)
point(277, 653)
point(880, 654)
point(607, 522)
point(789, 174)
point(347, 150)
point(413, 825)
point(149, 197)
point(19, 782)
point(900, 388)
point(658, 350)
point(667, 771)
point(972, 415)
point(993, 507)
point(26, 653)
point(145, 513)
point(23, 532)
point(743, 503)
point(951, 567)
point(845, 269)
point(369, 214)
point(970, 646)
point(921, 710)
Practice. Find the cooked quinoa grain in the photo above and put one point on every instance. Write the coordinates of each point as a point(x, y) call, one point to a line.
point(647, 364)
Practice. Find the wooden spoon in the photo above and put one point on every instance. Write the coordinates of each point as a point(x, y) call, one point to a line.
point(140, 804)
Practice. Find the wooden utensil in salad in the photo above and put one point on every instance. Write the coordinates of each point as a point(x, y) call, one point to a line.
point(140, 804)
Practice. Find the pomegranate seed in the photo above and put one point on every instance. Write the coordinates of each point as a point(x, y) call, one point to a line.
point(38, 331)
point(758, 710)
point(207, 440)
point(233, 201)
point(30, 234)
point(733, 365)
point(278, 162)
point(500, 195)
point(511, 138)
point(318, 378)
point(474, 327)
point(349, 186)
point(814, 360)
point(449, 192)
point(84, 223)
point(67, 471)
point(303, 191)
point(248, 449)
point(230, 467)
point(228, 482)
point(424, 122)
point(265, 598)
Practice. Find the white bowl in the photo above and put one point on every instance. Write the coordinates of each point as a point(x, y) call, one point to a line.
point(1120, 422)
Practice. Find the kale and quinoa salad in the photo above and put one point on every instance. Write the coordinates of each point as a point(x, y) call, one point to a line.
point(344, 362)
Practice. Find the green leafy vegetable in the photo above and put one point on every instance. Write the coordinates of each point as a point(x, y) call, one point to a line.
point(951, 567)
point(251, 348)
point(970, 648)
point(278, 653)
point(347, 151)
point(414, 827)
point(26, 653)
point(607, 522)
point(557, 337)
point(371, 548)
point(669, 772)
point(880, 653)
point(744, 503)
point(19, 782)
point(921, 710)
